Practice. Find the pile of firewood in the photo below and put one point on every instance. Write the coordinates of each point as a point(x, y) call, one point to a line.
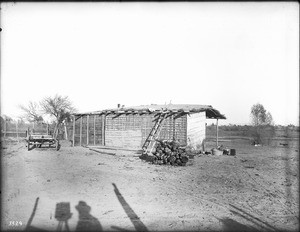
point(169, 152)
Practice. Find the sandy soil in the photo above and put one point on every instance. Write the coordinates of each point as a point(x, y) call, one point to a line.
point(258, 189)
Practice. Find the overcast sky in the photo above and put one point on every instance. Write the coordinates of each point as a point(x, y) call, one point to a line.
point(228, 55)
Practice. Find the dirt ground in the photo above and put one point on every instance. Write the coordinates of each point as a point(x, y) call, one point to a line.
point(258, 189)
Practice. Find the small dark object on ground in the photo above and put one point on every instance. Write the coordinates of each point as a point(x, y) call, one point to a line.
point(232, 152)
point(284, 144)
point(226, 152)
point(255, 143)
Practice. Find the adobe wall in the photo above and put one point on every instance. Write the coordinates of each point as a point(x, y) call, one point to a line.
point(196, 129)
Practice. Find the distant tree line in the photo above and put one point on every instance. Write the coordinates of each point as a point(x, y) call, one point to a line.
point(262, 128)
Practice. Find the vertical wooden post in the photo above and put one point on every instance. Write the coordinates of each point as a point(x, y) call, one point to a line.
point(66, 131)
point(73, 139)
point(133, 121)
point(5, 126)
point(17, 131)
point(87, 129)
point(103, 129)
point(217, 132)
point(174, 134)
point(80, 133)
point(94, 129)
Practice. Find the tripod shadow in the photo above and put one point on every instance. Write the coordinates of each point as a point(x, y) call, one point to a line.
point(62, 215)
point(86, 221)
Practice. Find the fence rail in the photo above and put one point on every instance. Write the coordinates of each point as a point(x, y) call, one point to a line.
point(20, 130)
point(14, 134)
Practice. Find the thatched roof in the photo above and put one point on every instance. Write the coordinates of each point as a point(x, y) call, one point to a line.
point(170, 109)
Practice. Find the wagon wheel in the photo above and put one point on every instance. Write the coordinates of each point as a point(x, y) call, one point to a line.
point(28, 146)
point(57, 145)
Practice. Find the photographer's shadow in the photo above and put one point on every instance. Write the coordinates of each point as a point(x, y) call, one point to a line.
point(86, 221)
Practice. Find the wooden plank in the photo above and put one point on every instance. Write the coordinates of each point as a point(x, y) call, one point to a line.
point(102, 152)
point(115, 148)
point(87, 129)
point(119, 114)
point(180, 115)
point(94, 129)
point(5, 127)
point(17, 131)
point(80, 133)
point(217, 132)
point(77, 118)
point(174, 131)
point(103, 130)
point(73, 130)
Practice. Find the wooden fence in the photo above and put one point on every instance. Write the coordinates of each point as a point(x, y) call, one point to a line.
point(19, 130)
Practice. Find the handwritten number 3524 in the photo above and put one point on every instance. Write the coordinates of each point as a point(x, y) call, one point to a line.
point(15, 223)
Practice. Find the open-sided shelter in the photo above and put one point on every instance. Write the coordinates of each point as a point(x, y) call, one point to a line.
point(129, 127)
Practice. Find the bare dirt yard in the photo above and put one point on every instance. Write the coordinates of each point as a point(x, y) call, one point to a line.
point(77, 189)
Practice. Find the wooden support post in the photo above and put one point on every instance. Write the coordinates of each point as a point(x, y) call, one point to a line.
point(95, 129)
point(80, 133)
point(17, 131)
point(5, 126)
point(73, 139)
point(133, 121)
point(66, 131)
point(217, 133)
point(103, 129)
point(87, 129)
point(174, 132)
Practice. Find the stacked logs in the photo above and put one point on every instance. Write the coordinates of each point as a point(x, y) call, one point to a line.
point(169, 152)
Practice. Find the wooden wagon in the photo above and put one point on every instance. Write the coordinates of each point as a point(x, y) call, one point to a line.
point(39, 140)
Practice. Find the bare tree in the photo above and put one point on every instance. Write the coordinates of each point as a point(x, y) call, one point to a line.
point(32, 112)
point(59, 107)
point(7, 118)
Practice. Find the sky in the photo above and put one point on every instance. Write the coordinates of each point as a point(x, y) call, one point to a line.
point(228, 55)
